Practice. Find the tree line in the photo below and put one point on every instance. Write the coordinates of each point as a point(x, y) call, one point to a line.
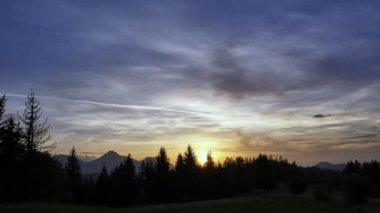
point(29, 173)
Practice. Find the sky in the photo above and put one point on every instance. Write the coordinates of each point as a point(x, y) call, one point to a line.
point(295, 78)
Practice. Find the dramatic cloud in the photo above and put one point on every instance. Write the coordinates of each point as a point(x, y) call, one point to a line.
point(236, 77)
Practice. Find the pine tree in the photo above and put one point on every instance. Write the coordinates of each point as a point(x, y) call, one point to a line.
point(11, 148)
point(210, 164)
point(191, 172)
point(162, 162)
point(162, 184)
point(264, 178)
point(123, 183)
point(11, 152)
point(208, 178)
point(190, 159)
point(73, 169)
point(36, 133)
point(179, 164)
point(147, 177)
point(179, 175)
point(2, 106)
point(101, 190)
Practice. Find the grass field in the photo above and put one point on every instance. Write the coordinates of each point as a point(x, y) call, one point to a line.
point(267, 203)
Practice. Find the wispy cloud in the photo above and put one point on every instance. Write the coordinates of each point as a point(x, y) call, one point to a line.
point(134, 107)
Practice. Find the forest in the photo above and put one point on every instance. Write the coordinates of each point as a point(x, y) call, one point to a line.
point(28, 173)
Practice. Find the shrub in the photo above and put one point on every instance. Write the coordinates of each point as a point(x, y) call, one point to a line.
point(297, 186)
point(320, 192)
point(356, 189)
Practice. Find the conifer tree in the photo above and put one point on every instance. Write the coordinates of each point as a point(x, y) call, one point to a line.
point(162, 162)
point(190, 173)
point(190, 159)
point(179, 164)
point(147, 177)
point(101, 190)
point(162, 177)
point(11, 151)
point(2, 106)
point(123, 183)
point(36, 132)
point(210, 164)
point(73, 169)
point(11, 148)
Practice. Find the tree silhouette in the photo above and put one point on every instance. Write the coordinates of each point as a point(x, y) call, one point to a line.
point(207, 185)
point(191, 174)
point(352, 167)
point(36, 133)
point(147, 178)
point(2, 106)
point(11, 148)
point(123, 184)
point(210, 164)
point(162, 190)
point(11, 152)
point(264, 178)
point(179, 176)
point(190, 159)
point(101, 190)
point(75, 177)
point(179, 164)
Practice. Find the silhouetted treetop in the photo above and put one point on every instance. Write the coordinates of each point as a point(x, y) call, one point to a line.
point(190, 159)
point(162, 162)
point(179, 164)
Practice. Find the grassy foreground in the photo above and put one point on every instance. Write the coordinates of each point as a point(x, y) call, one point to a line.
point(267, 203)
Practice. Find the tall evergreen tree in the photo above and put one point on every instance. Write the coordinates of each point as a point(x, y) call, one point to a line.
point(179, 164)
point(75, 177)
point(123, 183)
point(101, 190)
point(190, 159)
point(147, 178)
point(179, 175)
point(191, 173)
point(162, 162)
point(210, 164)
point(11, 148)
point(2, 106)
point(11, 152)
point(36, 132)
point(162, 177)
point(208, 178)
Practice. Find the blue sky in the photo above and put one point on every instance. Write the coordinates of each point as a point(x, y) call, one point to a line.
point(234, 77)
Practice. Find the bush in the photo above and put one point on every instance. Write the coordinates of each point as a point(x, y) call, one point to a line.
point(356, 189)
point(297, 186)
point(320, 192)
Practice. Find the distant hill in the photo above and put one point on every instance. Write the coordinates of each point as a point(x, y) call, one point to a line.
point(110, 159)
point(330, 166)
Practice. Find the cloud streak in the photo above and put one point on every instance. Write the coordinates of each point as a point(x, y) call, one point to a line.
point(133, 107)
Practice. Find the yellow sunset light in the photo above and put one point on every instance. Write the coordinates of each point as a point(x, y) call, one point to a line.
point(202, 156)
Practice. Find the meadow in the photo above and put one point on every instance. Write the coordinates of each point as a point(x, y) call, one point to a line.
point(261, 203)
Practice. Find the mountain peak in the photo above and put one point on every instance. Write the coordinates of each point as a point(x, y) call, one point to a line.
point(111, 152)
point(330, 166)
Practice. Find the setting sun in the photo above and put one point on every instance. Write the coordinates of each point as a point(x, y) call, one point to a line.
point(202, 157)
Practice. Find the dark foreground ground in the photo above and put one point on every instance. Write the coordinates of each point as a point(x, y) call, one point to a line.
point(263, 203)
